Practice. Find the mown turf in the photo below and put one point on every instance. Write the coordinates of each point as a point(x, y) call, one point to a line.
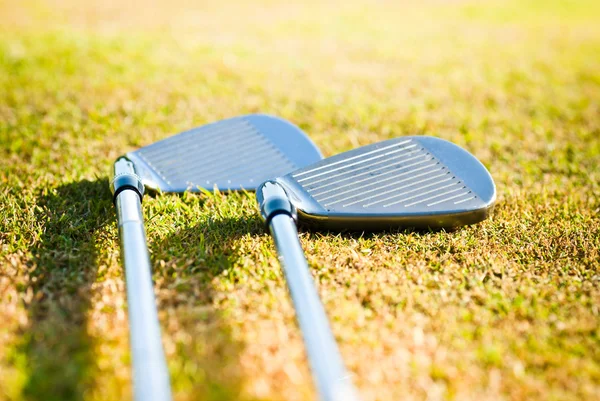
point(507, 309)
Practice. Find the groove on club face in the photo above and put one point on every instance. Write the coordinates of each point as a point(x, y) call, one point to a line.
point(233, 154)
point(413, 181)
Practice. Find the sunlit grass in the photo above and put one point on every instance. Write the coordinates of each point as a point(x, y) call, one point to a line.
point(507, 309)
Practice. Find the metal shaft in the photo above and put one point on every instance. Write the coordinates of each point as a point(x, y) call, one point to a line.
point(150, 373)
point(333, 382)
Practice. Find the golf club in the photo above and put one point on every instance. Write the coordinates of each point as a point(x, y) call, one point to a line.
point(234, 154)
point(417, 181)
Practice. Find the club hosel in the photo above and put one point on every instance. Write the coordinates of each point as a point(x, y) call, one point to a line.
point(125, 177)
point(273, 200)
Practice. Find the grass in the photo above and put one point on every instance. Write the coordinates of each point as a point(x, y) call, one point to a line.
point(506, 309)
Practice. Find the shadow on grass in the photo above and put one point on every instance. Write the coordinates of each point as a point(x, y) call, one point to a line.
point(187, 265)
point(374, 232)
point(59, 352)
point(58, 349)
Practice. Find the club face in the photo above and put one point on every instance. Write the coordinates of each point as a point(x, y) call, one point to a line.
point(233, 154)
point(418, 181)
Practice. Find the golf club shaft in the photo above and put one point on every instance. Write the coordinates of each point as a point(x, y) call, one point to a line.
point(150, 373)
point(333, 381)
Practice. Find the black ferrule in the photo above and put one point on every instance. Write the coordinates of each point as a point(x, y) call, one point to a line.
point(276, 210)
point(125, 187)
point(273, 200)
point(126, 179)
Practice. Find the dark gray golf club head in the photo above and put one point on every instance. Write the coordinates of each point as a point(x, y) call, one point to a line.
point(233, 154)
point(415, 181)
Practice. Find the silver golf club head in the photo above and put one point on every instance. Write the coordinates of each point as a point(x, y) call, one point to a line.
point(234, 154)
point(415, 181)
